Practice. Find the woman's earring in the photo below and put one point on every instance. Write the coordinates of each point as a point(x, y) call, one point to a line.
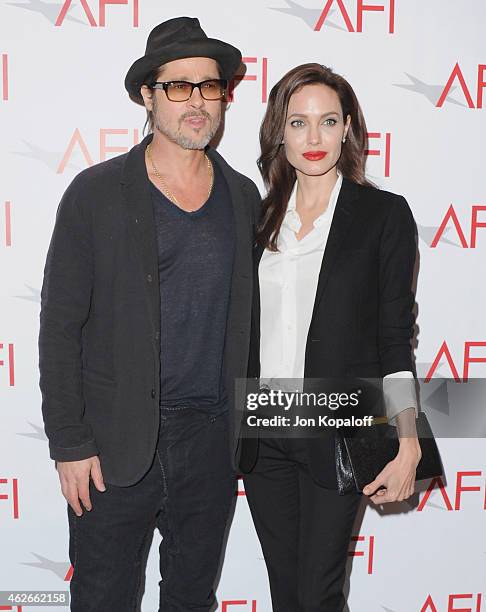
point(344, 139)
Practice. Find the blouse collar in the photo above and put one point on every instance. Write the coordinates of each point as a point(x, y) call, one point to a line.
point(292, 219)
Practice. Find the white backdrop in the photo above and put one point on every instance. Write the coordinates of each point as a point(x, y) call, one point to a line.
point(419, 69)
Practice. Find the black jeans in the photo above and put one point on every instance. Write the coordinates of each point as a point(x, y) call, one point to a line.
point(187, 494)
point(304, 528)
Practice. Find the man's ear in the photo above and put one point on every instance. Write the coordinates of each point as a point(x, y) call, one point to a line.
point(147, 94)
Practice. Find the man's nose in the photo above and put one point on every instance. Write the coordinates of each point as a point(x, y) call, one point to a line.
point(196, 100)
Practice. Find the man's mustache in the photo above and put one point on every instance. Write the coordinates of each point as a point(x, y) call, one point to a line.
point(204, 114)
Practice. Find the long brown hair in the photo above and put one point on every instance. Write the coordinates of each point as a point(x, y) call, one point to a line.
point(278, 174)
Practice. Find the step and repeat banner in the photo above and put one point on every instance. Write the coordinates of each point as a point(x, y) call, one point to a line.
point(419, 70)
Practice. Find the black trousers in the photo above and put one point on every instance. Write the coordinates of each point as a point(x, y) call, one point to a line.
point(187, 494)
point(304, 528)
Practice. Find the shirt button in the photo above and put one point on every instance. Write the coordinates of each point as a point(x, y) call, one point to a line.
point(149, 278)
point(152, 393)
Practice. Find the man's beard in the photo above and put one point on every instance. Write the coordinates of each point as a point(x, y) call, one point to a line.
point(188, 142)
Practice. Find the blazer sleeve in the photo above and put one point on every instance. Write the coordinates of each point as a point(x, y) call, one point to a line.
point(65, 306)
point(398, 248)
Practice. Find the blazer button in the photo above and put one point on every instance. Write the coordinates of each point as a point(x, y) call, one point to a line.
point(149, 278)
point(157, 335)
point(152, 393)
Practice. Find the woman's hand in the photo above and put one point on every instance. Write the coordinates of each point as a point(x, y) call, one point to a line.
point(398, 476)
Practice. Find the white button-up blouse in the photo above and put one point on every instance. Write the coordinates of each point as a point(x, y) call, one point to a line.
point(288, 284)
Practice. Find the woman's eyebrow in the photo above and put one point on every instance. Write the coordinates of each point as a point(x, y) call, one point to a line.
point(323, 115)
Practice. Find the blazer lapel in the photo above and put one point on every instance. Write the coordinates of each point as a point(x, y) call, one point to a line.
point(138, 202)
point(242, 221)
point(257, 256)
point(238, 323)
point(342, 219)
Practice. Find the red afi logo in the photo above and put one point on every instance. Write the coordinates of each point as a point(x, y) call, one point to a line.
point(452, 218)
point(369, 552)
point(12, 497)
point(430, 606)
point(77, 141)
point(457, 76)
point(444, 352)
point(227, 604)
point(263, 76)
point(8, 224)
point(9, 348)
point(4, 76)
point(459, 489)
point(385, 152)
point(361, 8)
point(101, 12)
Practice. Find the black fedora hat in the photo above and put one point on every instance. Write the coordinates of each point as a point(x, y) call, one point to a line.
point(175, 39)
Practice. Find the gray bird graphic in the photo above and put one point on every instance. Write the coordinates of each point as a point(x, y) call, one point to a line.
point(431, 92)
point(49, 10)
point(309, 16)
point(49, 158)
point(60, 568)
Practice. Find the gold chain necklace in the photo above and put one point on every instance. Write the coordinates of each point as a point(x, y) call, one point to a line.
point(166, 189)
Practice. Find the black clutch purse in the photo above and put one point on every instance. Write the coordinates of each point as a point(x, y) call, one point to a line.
point(360, 457)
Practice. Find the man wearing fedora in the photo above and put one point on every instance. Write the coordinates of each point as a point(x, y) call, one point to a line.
point(144, 326)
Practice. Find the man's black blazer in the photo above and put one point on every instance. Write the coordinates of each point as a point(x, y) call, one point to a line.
point(99, 340)
point(362, 321)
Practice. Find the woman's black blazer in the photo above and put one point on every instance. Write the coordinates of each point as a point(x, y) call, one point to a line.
point(362, 322)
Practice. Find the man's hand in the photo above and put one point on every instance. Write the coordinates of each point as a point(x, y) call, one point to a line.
point(74, 477)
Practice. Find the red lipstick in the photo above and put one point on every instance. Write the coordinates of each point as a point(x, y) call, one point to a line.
point(315, 155)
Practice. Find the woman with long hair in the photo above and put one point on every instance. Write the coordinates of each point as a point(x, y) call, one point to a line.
point(334, 261)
